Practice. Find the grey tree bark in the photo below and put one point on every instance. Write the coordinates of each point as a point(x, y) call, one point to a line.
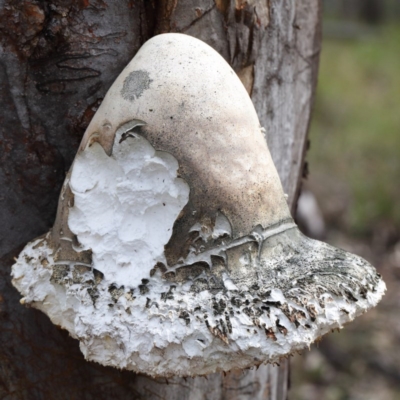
point(57, 60)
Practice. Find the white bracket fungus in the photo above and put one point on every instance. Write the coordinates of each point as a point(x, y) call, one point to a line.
point(173, 252)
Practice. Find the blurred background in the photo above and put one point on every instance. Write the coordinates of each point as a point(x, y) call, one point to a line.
point(351, 196)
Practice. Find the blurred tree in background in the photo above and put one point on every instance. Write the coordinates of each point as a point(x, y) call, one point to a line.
point(354, 173)
point(355, 133)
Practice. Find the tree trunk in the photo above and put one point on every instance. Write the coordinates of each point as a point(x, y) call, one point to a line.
point(57, 60)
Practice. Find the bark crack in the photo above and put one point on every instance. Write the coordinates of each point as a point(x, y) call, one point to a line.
point(195, 21)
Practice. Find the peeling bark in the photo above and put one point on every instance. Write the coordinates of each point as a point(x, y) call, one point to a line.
point(57, 60)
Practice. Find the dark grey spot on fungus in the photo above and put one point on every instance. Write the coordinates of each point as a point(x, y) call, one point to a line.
point(94, 294)
point(135, 84)
point(168, 295)
point(60, 273)
point(143, 289)
point(98, 276)
point(185, 316)
point(116, 292)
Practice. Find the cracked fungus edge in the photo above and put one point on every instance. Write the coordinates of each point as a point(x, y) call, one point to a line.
point(163, 329)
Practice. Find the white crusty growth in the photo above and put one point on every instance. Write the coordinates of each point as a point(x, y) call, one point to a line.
point(125, 206)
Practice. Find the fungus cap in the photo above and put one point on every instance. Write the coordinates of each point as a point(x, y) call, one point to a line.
point(173, 252)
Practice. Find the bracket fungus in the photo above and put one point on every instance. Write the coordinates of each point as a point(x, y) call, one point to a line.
point(173, 252)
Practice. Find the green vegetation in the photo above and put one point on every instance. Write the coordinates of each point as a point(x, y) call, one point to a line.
point(355, 133)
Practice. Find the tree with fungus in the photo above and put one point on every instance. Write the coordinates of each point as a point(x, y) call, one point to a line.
point(58, 59)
